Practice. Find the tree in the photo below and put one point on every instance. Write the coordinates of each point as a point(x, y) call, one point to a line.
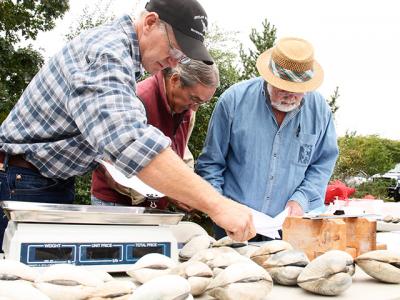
point(221, 45)
point(18, 64)
point(262, 41)
point(332, 100)
point(370, 154)
point(91, 17)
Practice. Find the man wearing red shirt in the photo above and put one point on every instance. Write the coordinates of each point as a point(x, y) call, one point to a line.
point(170, 98)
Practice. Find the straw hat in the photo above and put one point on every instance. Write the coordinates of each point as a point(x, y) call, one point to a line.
point(290, 66)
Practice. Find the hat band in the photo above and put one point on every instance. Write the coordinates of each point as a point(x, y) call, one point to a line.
point(290, 75)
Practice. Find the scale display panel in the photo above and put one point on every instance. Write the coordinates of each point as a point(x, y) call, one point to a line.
point(51, 253)
point(45, 254)
point(103, 253)
point(137, 250)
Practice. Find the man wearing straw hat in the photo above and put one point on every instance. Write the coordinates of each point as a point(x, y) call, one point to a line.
point(271, 142)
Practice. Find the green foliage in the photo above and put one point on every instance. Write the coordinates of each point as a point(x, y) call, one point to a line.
point(28, 17)
point(91, 17)
point(17, 68)
point(377, 188)
point(199, 133)
point(370, 154)
point(82, 189)
point(18, 64)
point(332, 100)
point(221, 46)
point(262, 41)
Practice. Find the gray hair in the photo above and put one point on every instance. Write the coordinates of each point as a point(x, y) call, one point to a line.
point(195, 72)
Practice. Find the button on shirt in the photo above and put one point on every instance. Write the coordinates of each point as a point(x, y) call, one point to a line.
point(249, 158)
point(82, 105)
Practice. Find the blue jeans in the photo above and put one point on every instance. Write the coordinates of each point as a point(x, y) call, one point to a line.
point(21, 184)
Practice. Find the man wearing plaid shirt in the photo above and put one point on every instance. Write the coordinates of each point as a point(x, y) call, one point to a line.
point(82, 106)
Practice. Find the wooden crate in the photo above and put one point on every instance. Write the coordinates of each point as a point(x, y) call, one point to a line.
point(315, 237)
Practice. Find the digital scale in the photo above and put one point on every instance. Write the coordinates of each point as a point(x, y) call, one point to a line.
point(111, 238)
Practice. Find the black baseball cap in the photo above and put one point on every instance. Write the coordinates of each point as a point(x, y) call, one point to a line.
point(189, 23)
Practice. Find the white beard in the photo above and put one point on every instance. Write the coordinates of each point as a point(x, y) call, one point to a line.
point(285, 107)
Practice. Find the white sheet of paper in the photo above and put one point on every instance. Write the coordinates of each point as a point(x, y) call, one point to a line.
point(134, 182)
point(268, 226)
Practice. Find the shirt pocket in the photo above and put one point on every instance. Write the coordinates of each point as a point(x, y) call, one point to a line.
point(303, 149)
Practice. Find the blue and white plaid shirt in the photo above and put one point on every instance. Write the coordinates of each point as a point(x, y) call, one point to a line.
point(82, 105)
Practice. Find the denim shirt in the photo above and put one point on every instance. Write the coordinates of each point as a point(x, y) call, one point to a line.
point(249, 158)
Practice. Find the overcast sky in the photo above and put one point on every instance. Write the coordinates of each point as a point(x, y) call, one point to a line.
point(357, 42)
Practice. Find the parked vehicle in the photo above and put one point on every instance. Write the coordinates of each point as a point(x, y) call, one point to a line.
point(394, 191)
point(393, 176)
point(358, 179)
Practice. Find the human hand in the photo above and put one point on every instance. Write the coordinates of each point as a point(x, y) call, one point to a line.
point(294, 208)
point(235, 218)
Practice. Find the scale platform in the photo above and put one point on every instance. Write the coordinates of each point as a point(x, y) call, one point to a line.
point(110, 238)
point(19, 211)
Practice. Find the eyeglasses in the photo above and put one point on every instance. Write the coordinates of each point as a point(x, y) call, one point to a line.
point(196, 101)
point(176, 53)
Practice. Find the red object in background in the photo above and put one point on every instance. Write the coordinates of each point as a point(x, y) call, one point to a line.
point(338, 190)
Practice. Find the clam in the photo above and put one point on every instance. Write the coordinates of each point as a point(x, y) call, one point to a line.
point(285, 266)
point(150, 266)
point(166, 287)
point(194, 245)
point(241, 281)
point(247, 250)
point(113, 289)
point(65, 281)
point(328, 274)
point(269, 248)
point(383, 265)
point(388, 219)
point(224, 260)
point(20, 290)
point(209, 254)
point(15, 270)
point(228, 242)
point(197, 273)
point(102, 275)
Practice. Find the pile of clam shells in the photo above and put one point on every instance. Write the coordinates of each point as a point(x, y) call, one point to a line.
point(391, 219)
point(222, 269)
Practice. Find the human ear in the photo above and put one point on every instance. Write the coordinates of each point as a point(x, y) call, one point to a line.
point(175, 79)
point(151, 21)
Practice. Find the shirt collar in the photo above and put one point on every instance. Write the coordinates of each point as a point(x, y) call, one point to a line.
point(128, 26)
